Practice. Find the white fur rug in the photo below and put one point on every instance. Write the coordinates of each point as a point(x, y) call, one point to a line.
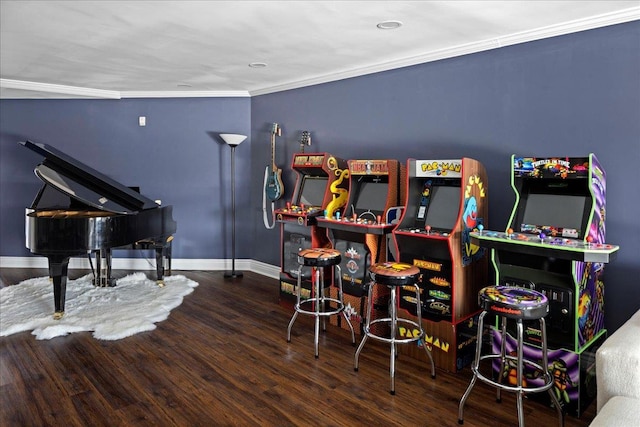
point(134, 305)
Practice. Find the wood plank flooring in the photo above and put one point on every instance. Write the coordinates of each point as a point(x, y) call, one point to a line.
point(221, 359)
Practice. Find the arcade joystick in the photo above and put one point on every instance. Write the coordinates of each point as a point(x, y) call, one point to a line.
point(509, 232)
point(589, 240)
point(428, 228)
point(288, 205)
point(379, 219)
point(301, 206)
point(354, 217)
point(480, 228)
point(541, 236)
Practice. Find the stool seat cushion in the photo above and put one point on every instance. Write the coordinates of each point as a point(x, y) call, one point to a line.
point(319, 257)
point(513, 302)
point(394, 273)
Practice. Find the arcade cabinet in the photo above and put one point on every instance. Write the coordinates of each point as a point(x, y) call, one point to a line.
point(360, 233)
point(555, 243)
point(446, 200)
point(321, 184)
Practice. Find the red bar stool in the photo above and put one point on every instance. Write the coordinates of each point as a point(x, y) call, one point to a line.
point(318, 305)
point(394, 275)
point(511, 303)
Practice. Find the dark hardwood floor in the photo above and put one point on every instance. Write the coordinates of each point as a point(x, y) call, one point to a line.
point(221, 358)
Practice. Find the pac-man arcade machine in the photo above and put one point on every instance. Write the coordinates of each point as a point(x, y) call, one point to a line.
point(446, 200)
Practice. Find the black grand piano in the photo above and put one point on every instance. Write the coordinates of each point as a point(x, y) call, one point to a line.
point(81, 212)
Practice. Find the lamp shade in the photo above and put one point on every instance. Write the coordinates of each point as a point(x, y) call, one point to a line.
point(233, 139)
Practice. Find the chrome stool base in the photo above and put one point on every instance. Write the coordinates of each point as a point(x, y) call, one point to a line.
point(319, 305)
point(515, 304)
point(406, 275)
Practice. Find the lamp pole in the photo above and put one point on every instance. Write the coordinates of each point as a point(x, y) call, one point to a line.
point(233, 140)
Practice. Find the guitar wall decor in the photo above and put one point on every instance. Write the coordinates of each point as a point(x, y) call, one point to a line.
point(273, 188)
point(305, 139)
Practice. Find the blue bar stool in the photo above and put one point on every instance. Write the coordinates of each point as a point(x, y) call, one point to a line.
point(318, 305)
point(516, 304)
point(394, 275)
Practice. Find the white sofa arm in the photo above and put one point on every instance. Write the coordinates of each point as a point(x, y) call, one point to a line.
point(619, 411)
point(618, 363)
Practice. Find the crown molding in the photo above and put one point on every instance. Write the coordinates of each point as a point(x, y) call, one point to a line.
point(67, 92)
point(62, 90)
point(186, 94)
point(619, 17)
point(605, 20)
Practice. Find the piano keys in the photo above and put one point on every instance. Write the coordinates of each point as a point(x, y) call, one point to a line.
point(81, 212)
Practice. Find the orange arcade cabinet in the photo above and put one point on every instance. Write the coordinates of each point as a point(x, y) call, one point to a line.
point(360, 232)
point(321, 184)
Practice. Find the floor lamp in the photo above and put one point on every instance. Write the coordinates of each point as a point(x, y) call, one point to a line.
point(233, 140)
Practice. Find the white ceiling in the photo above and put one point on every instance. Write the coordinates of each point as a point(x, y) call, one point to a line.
point(118, 49)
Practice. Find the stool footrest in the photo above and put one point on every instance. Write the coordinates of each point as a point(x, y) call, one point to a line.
point(546, 386)
point(339, 309)
point(388, 320)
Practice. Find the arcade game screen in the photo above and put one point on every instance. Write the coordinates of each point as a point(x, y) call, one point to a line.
point(438, 204)
point(370, 196)
point(312, 190)
point(563, 213)
point(444, 206)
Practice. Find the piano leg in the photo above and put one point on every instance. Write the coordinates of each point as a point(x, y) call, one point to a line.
point(103, 268)
point(58, 268)
point(168, 256)
point(160, 258)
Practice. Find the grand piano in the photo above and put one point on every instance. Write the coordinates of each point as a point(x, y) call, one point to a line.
point(81, 212)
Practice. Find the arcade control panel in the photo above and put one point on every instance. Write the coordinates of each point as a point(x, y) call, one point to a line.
point(426, 231)
point(550, 246)
point(356, 224)
point(303, 215)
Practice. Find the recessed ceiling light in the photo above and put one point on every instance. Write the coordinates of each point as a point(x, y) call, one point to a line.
point(257, 65)
point(389, 25)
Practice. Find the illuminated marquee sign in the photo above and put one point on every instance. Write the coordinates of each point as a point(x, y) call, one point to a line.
point(369, 167)
point(308, 160)
point(439, 168)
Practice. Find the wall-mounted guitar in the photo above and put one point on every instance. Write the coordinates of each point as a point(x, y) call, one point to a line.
point(305, 139)
point(273, 187)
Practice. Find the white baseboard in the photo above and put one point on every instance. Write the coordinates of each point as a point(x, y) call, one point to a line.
point(142, 264)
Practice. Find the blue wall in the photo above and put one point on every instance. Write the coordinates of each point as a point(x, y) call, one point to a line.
point(177, 157)
point(563, 96)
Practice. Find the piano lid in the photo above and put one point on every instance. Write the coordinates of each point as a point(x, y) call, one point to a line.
point(85, 184)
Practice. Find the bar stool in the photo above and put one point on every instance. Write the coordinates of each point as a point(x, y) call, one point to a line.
point(318, 259)
point(394, 275)
point(511, 303)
